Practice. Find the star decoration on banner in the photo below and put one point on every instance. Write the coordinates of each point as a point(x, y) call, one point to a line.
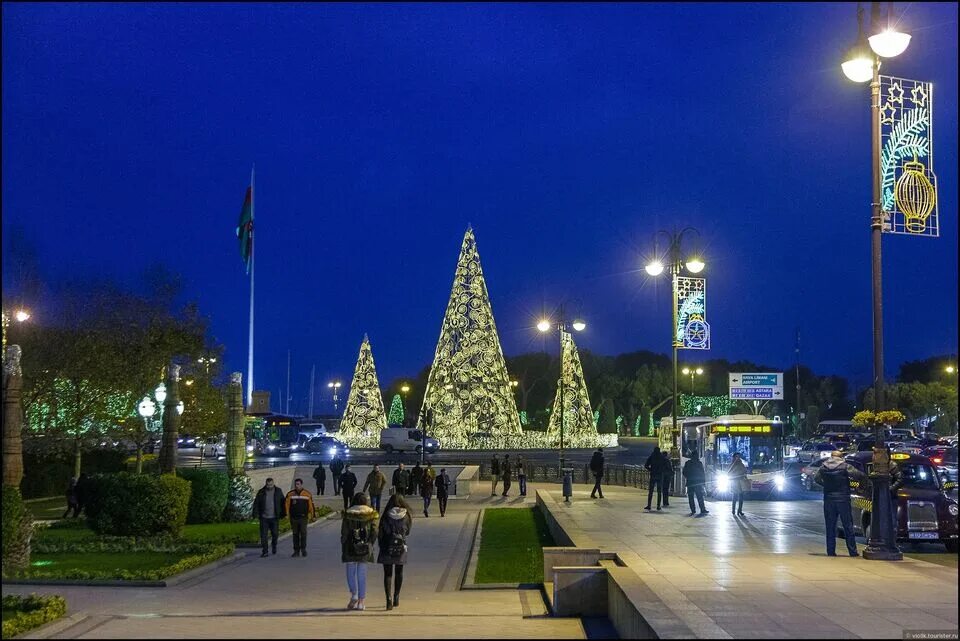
point(919, 95)
point(896, 93)
point(887, 117)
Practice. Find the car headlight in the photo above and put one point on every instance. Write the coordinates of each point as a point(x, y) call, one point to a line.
point(952, 508)
point(824, 454)
point(779, 482)
point(723, 482)
point(271, 447)
point(332, 451)
point(346, 449)
point(249, 448)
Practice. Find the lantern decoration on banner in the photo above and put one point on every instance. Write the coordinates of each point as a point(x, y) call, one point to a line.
point(915, 196)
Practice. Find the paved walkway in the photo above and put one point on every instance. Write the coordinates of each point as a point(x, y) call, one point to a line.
point(761, 576)
point(289, 597)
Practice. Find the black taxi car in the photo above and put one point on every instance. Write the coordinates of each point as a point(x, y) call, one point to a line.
point(924, 511)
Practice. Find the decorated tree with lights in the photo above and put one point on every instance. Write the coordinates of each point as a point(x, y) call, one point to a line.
point(579, 428)
point(468, 389)
point(363, 417)
point(397, 414)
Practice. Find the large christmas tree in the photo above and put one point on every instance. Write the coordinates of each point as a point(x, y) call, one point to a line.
point(579, 427)
point(468, 389)
point(363, 417)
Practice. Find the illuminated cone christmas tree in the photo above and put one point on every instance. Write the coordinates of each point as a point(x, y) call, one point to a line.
point(579, 427)
point(468, 389)
point(396, 415)
point(363, 417)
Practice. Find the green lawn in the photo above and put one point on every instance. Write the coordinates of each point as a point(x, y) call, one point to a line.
point(48, 508)
point(511, 546)
point(43, 564)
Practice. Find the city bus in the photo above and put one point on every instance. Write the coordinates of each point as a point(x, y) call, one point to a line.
point(758, 439)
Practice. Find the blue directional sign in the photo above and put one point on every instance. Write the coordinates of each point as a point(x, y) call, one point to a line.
point(756, 386)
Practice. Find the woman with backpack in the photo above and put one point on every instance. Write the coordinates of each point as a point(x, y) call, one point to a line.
point(394, 530)
point(357, 534)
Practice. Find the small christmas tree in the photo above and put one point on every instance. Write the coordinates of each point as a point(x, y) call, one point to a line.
point(396, 415)
point(363, 417)
point(579, 428)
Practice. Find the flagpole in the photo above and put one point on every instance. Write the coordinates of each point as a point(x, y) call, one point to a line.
point(253, 258)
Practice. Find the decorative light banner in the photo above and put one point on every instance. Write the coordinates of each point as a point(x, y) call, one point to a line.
point(908, 186)
point(692, 331)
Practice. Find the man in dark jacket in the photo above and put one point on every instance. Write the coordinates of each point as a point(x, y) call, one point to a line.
point(654, 465)
point(348, 485)
point(506, 474)
point(596, 466)
point(696, 478)
point(666, 478)
point(834, 475)
point(81, 490)
point(443, 490)
point(336, 468)
point(494, 474)
point(269, 508)
point(401, 477)
point(320, 476)
point(299, 507)
point(416, 477)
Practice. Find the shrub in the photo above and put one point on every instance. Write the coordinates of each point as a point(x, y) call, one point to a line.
point(239, 501)
point(150, 464)
point(208, 498)
point(29, 612)
point(17, 528)
point(47, 472)
point(125, 504)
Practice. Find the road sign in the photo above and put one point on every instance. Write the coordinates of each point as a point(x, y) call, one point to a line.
point(756, 386)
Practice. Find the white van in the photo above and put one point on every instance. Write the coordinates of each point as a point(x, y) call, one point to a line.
point(401, 439)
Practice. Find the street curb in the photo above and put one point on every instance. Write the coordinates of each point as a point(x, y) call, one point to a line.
point(469, 577)
point(135, 583)
point(56, 626)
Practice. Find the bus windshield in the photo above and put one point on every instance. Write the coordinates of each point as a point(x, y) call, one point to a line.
point(759, 453)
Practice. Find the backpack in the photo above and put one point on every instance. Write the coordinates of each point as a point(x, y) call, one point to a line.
point(396, 545)
point(357, 544)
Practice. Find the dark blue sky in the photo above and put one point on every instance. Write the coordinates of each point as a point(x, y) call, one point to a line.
point(566, 134)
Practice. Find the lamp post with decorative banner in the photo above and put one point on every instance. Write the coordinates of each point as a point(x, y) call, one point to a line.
point(689, 327)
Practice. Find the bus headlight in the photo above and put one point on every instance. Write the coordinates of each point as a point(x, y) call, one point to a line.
point(779, 482)
point(723, 482)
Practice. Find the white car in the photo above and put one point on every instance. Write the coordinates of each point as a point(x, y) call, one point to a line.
point(401, 439)
point(213, 446)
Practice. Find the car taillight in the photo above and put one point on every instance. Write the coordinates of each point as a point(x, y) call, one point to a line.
point(937, 460)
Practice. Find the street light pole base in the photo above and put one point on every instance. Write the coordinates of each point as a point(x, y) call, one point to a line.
point(881, 554)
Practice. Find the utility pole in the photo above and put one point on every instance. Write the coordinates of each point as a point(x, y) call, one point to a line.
point(288, 383)
point(313, 371)
point(797, 352)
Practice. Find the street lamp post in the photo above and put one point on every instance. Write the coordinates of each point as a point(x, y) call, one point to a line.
point(147, 408)
point(403, 393)
point(862, 64)
point(544, 326)
point(335, 386)
point(20, 315)
point(690, 371)
point(694, 265)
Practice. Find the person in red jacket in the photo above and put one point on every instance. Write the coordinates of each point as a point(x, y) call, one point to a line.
point(299, 507)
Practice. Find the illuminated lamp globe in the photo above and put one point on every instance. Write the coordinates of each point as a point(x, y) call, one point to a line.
point(579, 325)
point(858, 63)
point(160, 393)
point(22, 315)
point(655, 268)
point(685, 371)
point(147, 407)
point(699, 371)
point(889, 43)
point(544, 325)
point(180, 408)
point(695, 265)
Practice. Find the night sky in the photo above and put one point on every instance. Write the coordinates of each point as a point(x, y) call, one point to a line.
point(565, 134)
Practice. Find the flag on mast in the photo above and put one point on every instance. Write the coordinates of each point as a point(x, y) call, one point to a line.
point(245, 229)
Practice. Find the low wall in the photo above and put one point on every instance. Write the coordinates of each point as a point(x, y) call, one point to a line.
point(284, 475)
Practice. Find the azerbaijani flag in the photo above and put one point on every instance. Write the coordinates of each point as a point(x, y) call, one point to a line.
point(245, 229)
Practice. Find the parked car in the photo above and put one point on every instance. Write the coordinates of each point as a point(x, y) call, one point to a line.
point(945, 460)
point(214, 446)
point(814, 450)
point(925, 512)
point(807, 475)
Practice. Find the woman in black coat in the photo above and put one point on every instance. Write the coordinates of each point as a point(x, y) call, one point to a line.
point(392, 536)
point(654, 465)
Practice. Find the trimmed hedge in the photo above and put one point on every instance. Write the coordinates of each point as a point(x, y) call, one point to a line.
point(125, 504)
point(31, 612)
point(17, 528)
point(208, 496)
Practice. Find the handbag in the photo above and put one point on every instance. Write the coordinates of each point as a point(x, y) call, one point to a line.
point(745, 484)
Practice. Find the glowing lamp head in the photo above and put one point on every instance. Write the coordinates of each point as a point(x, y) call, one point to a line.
point(951, 369)
point(686, 371)
point(544, 325)
point(699, 371)
point(180, 408)
point(146, 407)
point(655, 268)
point(858, 63)
point(579, 325)
point(21, 315)
point(160, 393)
point(405, 389)
point(695, 265)
point(889, 43)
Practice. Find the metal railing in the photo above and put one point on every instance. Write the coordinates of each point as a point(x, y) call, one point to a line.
point(613, 474)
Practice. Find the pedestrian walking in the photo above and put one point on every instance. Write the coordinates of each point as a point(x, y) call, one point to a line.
point(336, 468)
point(401, 477)
point(375, 482)
point(426, 489)
point(521, 476)
point(348, 485)
point(666, 477)
point(506, 474)
point(654, 465)
point(416, 475)
point(71, 498)
point(299, 507)
point(443, 488)
point(696, 478)
point(596, 466)
point(494, 474)
point(82, 489)
point(357, 535)
point(269, 507)
point(320, 476)
point(739, 483)
point(834, 476)
point(896, 482)
point(392, 536)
